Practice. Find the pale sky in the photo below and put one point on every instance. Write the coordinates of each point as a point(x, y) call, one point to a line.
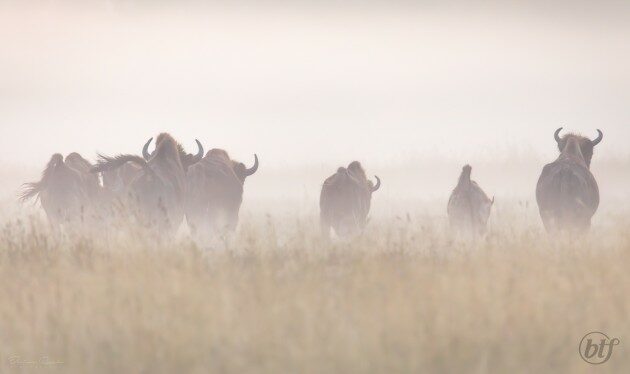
point(375, 81)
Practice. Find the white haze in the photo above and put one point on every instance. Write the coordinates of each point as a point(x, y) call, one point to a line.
point(414, 91)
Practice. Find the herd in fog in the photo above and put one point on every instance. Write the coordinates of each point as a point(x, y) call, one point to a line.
point(161, 188)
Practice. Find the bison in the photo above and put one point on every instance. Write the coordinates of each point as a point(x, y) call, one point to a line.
point(567, 193)
point(216, 192)
point(116, 181)
point(469, 207)
point(159, 189)
point(345, 200)
point(67, 190)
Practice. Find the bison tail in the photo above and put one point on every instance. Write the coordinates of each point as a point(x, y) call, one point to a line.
point(30, 190)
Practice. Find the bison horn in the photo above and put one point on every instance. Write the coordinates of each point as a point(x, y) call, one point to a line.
point(600, 136)
point(556, 135)
point(145, 150)
point(253, 169)
point(199, 154)
point(378, 184)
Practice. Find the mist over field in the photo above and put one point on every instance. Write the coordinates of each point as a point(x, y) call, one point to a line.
point(312, 83)
point(406, 88)
point(414, 90)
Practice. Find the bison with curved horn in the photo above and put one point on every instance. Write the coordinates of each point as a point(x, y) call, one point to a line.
point(345, 200)
point(216, 192)
point(469, 207)
point(159, 188)
point(67, 190)
point(187, 159)
point(116, 181)
point(567, 193)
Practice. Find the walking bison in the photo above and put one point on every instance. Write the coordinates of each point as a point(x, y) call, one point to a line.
point(67, 190)
point(345, 200)
point(567, 192)
point(158, 190)
point(469, 207)
point(216, 192)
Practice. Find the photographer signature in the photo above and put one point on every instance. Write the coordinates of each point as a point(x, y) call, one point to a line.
point(16, 361)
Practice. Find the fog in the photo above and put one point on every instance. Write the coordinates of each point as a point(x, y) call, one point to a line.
point(413, 90)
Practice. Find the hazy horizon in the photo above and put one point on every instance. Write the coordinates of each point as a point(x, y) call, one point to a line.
point(412, 90)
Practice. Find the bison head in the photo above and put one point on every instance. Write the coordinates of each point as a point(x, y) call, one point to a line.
point(187, 159)
point(356, 170)
point(586, 145)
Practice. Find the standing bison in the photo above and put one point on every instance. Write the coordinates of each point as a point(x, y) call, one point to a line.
point(567, 193)
point(469, 207)
point(345, 200)
point(159, 189)
point(67, 190)
point(216, 192)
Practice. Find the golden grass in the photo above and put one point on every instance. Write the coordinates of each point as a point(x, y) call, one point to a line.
point(405, 297)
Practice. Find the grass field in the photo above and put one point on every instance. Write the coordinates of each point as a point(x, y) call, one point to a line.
point(405, 297)
point(413, 90)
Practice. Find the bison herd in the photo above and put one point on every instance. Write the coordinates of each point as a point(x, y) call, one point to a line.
point(159, 188)
point(164, 186)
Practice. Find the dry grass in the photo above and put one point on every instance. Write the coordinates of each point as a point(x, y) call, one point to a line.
point(403, 298)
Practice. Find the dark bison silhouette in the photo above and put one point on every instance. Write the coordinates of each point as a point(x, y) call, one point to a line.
point(345, 200)
point(468, 207)
point(215, 193)
point(158, 190)
point(567, 193)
